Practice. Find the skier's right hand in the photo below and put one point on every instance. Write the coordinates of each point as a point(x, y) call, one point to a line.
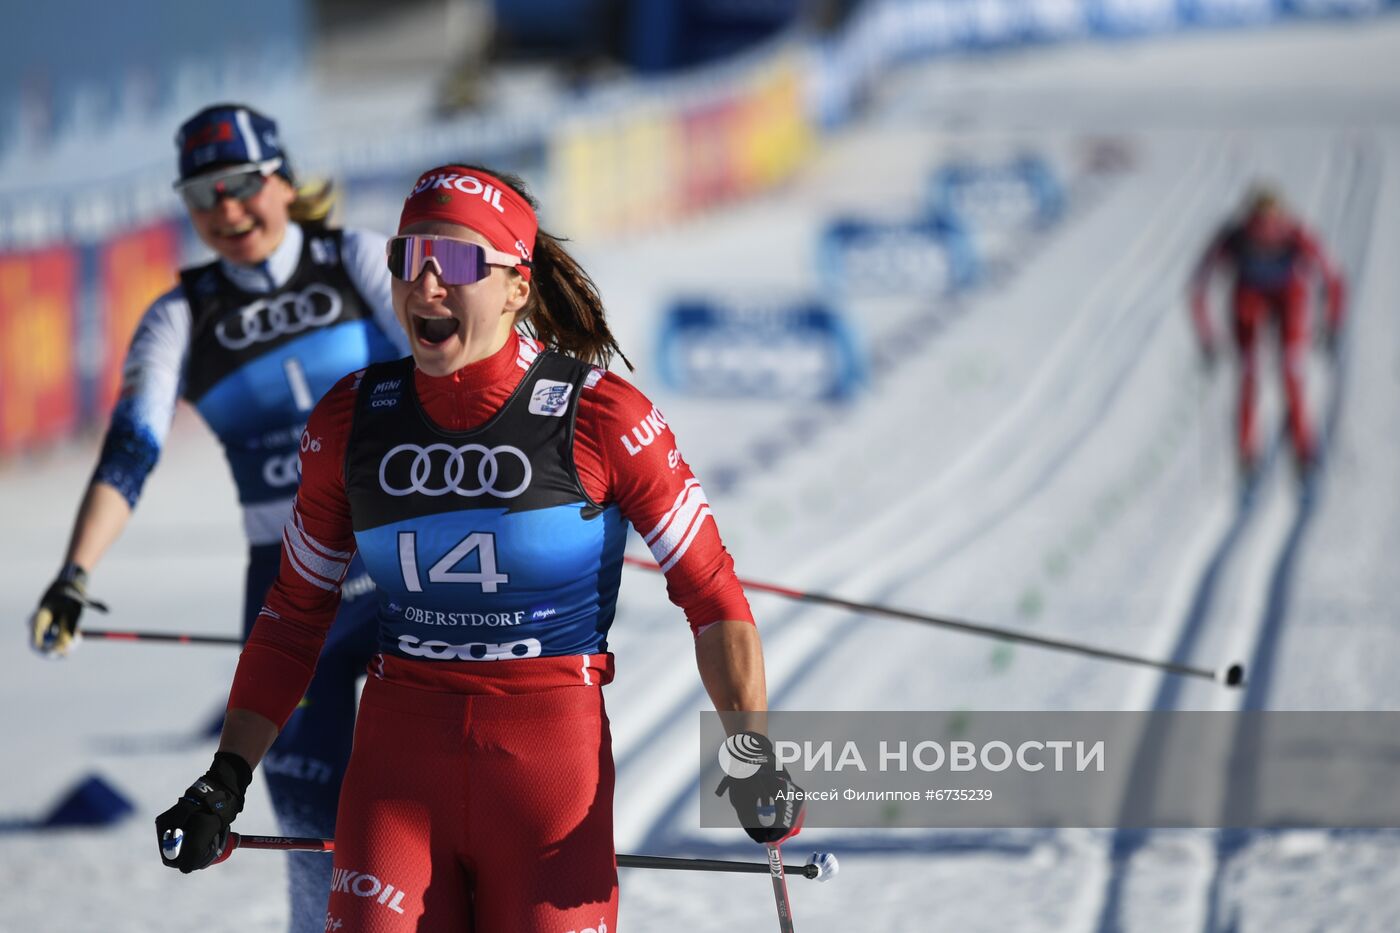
point(53, 627)
point(192, 834)
point(769, 805)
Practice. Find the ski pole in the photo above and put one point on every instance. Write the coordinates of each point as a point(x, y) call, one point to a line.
point(823, 866)
point(179, 638)
point(1231, 676)
point(280, 843)
point(780, 891)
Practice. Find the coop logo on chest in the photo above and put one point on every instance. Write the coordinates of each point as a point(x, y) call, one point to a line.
point(280, 316)
point(385, 393)
point(550, 398)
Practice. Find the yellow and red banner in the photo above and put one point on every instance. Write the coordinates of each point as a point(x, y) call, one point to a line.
point(133, 270)
point(38, 356)
point(662, 159)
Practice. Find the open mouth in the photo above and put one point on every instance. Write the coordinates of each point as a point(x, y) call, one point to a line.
point(237, 233)
point(435, 330)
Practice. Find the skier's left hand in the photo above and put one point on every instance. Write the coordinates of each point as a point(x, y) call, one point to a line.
point(764, 796)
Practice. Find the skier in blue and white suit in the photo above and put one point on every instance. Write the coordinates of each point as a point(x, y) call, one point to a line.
point(252, 340)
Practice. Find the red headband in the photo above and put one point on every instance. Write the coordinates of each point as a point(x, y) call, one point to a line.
point(477, 200)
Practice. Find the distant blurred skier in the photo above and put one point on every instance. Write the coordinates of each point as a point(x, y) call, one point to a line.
point(1271, 255)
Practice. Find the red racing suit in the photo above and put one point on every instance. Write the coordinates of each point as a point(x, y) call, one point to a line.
point(479, 793)
point(1271, 258)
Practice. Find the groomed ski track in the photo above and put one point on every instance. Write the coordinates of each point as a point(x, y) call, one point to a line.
point(1051, 458)
point(1224, 562)
point(1255, 562)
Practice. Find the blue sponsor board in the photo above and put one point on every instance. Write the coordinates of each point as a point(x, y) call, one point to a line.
point(933, 256)
point(1114, 18)
point(1334, 7)
point(883, 33)
point(798, 351)
point(1227, 12)
point(1023, 192)
point(1054, 20)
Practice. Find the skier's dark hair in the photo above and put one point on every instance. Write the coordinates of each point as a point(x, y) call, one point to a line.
point(564, 311)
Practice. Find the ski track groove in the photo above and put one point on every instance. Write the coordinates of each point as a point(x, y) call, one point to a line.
point(1125, 844)
point(659, 838)
point(1131, 328)
point(774, 627)
point(1367, 180)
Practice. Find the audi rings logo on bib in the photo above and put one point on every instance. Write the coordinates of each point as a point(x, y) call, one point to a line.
point(469, 470)
point(282, 315)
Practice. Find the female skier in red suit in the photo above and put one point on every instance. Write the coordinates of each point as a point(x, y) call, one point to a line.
point(487, 482)
point(1271, 255)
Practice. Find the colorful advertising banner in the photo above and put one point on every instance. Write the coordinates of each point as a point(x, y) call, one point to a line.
point(38, 376)
point(710, 154)
point(650, 153)
point(134, 269)
point(774, 131)
point(663, 159)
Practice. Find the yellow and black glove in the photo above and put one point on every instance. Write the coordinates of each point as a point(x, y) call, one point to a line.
point(54, 626)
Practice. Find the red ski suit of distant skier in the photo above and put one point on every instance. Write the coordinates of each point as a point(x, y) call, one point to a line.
point(479, 793)
point(1270, 258)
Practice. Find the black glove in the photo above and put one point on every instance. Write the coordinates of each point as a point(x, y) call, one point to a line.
point(54, 626)
point(192, 834)
point(768, 803)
